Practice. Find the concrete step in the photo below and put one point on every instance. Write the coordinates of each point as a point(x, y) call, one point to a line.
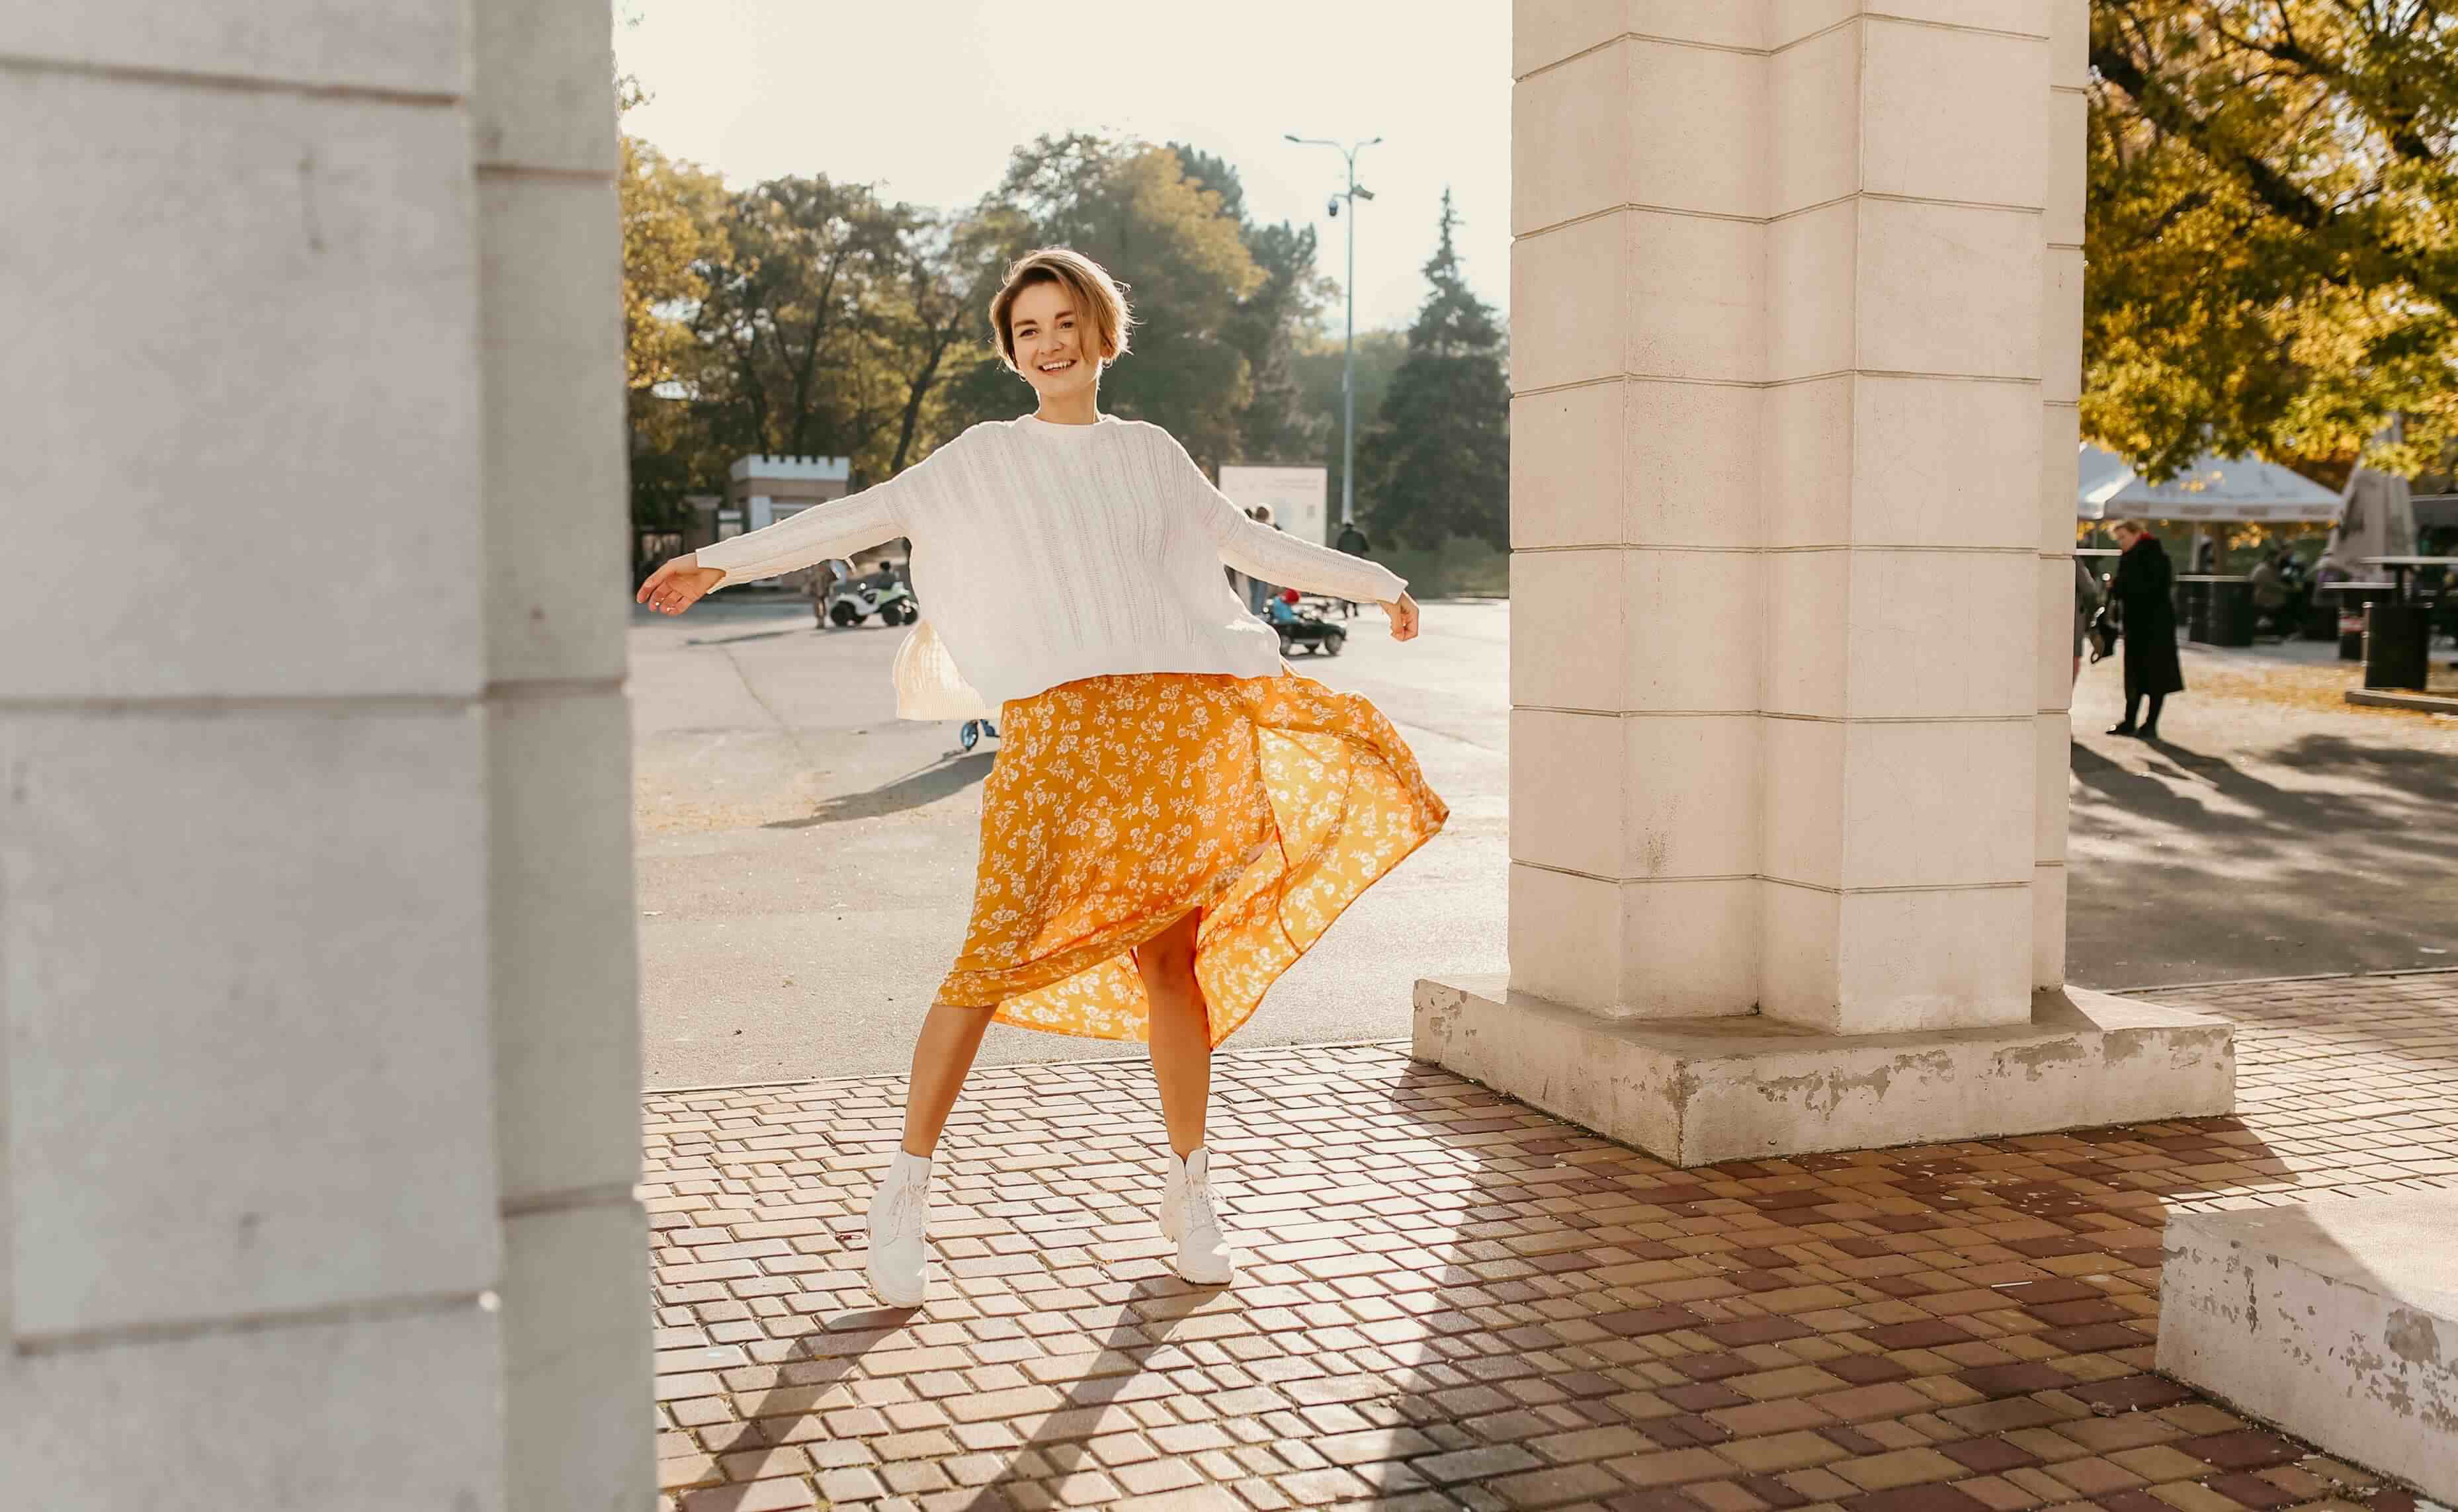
point(1695, 1092)
point(2338, 1322)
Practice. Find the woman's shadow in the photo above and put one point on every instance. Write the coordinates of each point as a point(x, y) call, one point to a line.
point(942, 778)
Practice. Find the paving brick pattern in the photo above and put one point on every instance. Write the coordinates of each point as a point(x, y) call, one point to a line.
point(1449, 1300)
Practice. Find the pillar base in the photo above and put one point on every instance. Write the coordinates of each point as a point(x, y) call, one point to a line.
point(1697, 1091)
point(2336, 1321)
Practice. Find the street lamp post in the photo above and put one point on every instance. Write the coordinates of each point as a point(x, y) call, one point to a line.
point(1348, 357)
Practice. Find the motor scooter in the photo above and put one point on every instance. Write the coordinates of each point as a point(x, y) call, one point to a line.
point(857, 599)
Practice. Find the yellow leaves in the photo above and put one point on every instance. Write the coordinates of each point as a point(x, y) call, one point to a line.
point(673, 221)
point(2269, 264)
point(1208, 240)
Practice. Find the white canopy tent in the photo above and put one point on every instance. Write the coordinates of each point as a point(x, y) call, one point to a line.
point(2212, 489)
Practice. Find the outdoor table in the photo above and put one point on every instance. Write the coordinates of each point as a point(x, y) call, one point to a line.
point(2400, 565)
point(2220, 608)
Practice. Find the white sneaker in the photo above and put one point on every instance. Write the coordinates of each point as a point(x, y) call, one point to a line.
point(1189, 1215)
point(900, 1227)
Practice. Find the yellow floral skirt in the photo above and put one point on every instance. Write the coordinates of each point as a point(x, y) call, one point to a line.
point(1119, 803)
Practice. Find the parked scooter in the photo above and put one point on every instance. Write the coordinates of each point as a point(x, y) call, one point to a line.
point(857, 599)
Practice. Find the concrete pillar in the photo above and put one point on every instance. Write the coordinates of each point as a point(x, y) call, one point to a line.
point(319, 1081)
point(564, 963)
point(1784, 290)
point(2060, 441)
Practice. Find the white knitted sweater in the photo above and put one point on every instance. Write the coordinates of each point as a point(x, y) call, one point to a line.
point(1044, 553)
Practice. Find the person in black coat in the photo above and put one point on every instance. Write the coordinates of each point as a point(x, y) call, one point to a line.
point(2143, 591)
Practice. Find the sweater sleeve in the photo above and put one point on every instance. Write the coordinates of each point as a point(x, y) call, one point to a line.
point(1274, 557)
point(838, 527)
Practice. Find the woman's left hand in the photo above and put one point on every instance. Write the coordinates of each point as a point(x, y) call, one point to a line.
point(1403, 618)
point(679, 585)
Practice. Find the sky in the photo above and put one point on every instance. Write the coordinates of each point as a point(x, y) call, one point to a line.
point(924, 99)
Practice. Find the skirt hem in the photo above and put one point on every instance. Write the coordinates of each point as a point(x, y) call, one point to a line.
point(1215, 1039)
point(1077, 873)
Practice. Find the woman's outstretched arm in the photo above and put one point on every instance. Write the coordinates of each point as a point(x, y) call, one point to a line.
point(838, 527)
point(1289, 561)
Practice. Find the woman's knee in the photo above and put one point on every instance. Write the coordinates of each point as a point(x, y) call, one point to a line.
point(1169, 968)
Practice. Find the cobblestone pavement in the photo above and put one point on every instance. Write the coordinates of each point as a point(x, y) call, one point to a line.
point(1449, 1300)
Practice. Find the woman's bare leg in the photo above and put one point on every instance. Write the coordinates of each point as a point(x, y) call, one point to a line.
point(1181, 1034)
point(941, 1057)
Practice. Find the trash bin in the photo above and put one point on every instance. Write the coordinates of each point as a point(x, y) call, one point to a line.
point(2398, 642)
point(2230, 615)
point(2216, 610)
point(2352, 599)
point(2194, 606)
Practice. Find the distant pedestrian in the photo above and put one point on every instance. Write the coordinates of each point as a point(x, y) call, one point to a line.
point(2270, 593)
point(1258, 592)
point(2086, 604)
point(824, 578)
point(2144, 588)
point(1352, 541)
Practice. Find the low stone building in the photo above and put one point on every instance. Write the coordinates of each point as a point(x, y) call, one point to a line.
point(762, 490)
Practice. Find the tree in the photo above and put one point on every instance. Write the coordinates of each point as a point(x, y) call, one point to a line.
point(947, 269)
point(1128, 206)
point(1321, 358)
point(2273, 264)
point(671, 217)
point(804, 315)
point(1436, 461)
point(779, 323)
point(1271, 321)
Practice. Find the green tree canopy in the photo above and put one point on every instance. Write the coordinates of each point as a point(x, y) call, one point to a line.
point(1319, 360)
point(807, 315)
point(1436, 461)
point(2271, 258)
point(1270, 325)
point(673, 218)
point(1182, 261)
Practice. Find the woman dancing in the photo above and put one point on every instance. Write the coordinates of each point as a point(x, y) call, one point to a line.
point(1175, 817)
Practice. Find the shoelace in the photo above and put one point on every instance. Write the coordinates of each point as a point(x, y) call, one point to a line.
point(904, 1209)
point(1199, 1208)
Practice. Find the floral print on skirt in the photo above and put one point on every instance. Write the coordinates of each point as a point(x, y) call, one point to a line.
point(1121, 803)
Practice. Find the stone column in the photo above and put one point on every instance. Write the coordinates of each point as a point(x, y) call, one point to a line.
point(2060, 441)
point(578, 1366)
point(317, 1088)
point(1780, 586)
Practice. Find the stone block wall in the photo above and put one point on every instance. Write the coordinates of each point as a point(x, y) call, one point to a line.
point(1795, 300)
point(319, 1085)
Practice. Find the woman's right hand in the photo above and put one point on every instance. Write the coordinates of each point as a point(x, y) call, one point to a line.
point(679, 585)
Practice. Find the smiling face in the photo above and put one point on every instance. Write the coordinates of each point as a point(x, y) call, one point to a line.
point(1052, 340)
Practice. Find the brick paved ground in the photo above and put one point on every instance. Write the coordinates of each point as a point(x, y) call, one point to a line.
point(1451, 1302)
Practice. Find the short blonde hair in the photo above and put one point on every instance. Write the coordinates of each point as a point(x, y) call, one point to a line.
point(2137, 526)
point(1100, 299)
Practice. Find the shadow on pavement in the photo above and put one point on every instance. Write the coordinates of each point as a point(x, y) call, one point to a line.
point(2394, 809)
point(728, 640)
point(929, 785)
point(2191, 867)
